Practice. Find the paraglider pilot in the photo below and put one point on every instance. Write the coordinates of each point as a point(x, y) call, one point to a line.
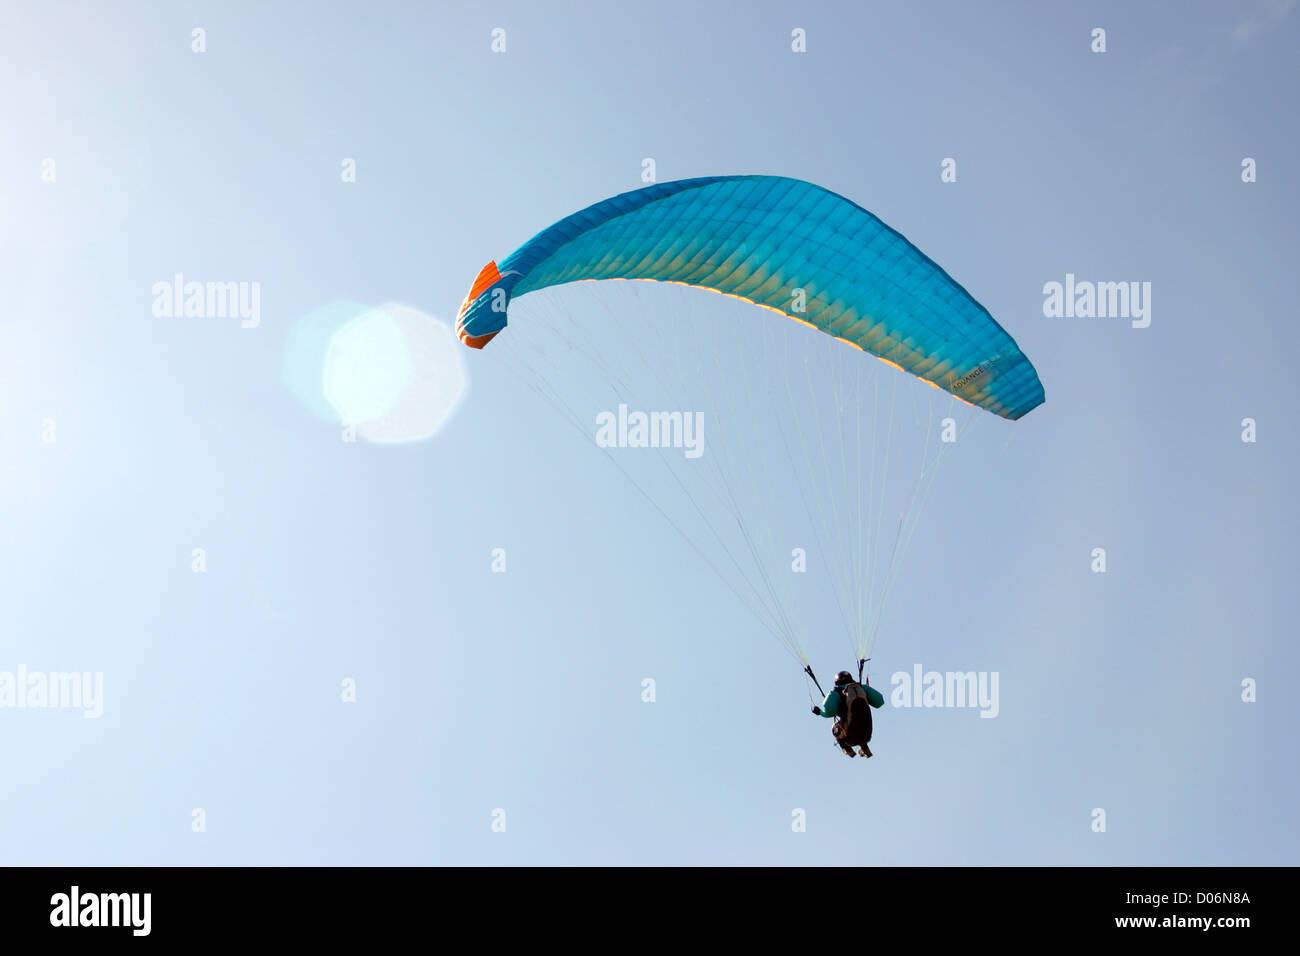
point(850, 704)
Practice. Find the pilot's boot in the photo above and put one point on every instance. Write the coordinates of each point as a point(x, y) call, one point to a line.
point(866, 751)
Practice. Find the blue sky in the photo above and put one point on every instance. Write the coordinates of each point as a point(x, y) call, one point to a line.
point(329, 560)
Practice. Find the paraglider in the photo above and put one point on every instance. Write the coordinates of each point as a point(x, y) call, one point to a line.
point(807, 254)
point(787, 245)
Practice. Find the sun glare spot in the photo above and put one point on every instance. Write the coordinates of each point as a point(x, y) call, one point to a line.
point(393, 372)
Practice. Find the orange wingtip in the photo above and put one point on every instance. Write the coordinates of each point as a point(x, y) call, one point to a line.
point(477, 341)
point(486, 276)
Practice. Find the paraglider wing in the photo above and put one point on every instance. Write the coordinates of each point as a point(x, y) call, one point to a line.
point(761, 238)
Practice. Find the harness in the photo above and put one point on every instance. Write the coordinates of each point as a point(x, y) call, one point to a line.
point(849, 693)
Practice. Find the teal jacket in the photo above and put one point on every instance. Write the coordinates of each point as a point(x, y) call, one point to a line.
point(835, 700)
point(831, 705)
